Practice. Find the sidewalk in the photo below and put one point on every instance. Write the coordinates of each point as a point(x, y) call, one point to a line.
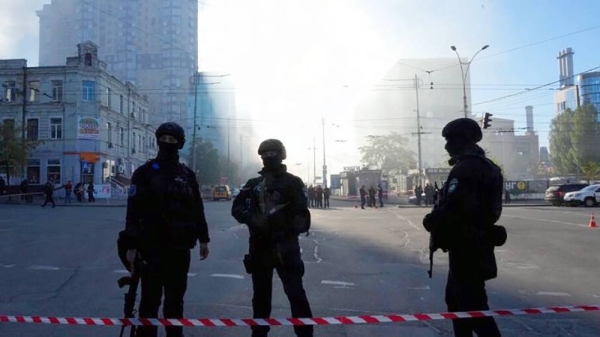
point(402, 202)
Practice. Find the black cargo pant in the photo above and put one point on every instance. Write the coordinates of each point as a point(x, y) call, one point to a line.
point(290, 269)
point(166, 272)
point(465, 294)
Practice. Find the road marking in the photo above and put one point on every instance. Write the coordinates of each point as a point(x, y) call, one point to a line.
point(545, 220)
point(420, 288)
point(338, 283)
point(551, 293)
point(235, 276)
point(316, 253)
point(407, 220)
point(36, 267)
point(191, 274)
point(7, 265)
point(121, 271)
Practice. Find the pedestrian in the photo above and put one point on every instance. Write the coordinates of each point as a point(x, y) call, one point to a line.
point(165, 218)
point(2, 186)
point(311, 196)
point(90, 191)
point(419, 194)
point(380, 195)
point(326, 195)
point(319, 195)
point(23, 188)
point(506, 196)
point(363, 196)
point(273, 206)
point(372, 201)
point(68, 191)
point(49, 192)
point(463, 224)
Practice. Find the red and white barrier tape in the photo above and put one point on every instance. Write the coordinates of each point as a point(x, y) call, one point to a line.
point(341, 320)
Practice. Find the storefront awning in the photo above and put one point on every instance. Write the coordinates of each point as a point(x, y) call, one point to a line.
point(90, 157)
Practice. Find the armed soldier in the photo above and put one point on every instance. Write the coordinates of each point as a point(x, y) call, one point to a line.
point(274, 207)
point(462, 223)
point(165, 218)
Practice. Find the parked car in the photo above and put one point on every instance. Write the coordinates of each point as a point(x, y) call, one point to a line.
point(413, 199)
point(587, 196)
point(555, 194)
point(235, 192)
point(221, 192)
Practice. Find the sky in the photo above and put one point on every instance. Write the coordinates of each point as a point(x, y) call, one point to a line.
point(296, 62)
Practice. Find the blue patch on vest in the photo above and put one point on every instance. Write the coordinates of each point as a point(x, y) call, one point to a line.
point(132, 190)
point(155, 166)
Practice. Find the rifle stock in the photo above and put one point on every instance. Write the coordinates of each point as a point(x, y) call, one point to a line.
point(130, 296)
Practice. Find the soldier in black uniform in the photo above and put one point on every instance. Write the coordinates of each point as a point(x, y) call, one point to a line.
point(275, 209)
point(165, 218)
point(462, 223)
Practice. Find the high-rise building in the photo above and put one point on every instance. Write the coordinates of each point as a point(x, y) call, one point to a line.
point(150, 43)
point(589, 89)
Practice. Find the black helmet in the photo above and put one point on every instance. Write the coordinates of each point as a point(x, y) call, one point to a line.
point(464, 128)
point(171, 129)
point(272, 145)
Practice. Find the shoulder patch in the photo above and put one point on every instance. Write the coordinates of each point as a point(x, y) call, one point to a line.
point(452, 185)
point(132, 190)
point(155, 166)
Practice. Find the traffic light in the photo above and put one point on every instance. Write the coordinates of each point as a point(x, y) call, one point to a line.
point(487, 120)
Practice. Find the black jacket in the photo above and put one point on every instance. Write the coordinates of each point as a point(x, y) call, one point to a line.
point(469, 204)
point(276, 212)
point(164, 208)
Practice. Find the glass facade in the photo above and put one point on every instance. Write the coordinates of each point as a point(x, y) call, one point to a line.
point(589, 89)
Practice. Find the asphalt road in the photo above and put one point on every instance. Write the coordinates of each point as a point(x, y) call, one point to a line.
point(62, 262)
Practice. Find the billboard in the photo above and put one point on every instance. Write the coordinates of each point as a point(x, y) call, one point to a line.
point(335, 182)
point(88, 128)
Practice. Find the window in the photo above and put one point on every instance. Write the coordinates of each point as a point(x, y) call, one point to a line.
point(140, 142)
point(32, 129)
point(10, 95)
point(144, 149)
point(57, 90)
point(56, 128)
point(133, 110)
point(9, 128)
point(109, 130)
point(108, 100)
point(87, 91)
point(121, 103)
point(122, 135)
point(133, 142)
point(34, 91)
point(53, 170)
point(33, 171)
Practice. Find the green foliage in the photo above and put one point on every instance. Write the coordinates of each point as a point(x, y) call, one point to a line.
point(14, 151)
point(207, 162)
point(388, 152)
point(574, 138)
point(590, 170)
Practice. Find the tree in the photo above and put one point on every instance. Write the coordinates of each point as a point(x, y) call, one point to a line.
point(388, 152)
point(590, 170)
point(14, 151)
point(207, 162)
point(574, 136)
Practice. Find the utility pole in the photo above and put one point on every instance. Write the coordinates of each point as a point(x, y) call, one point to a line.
point(419, 132)
point(195, 126)
point(324, 162)
point(24, 121)
point(314, 162)
point(228, 151)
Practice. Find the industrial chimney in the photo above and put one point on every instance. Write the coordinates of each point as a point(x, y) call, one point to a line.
point(565, 64)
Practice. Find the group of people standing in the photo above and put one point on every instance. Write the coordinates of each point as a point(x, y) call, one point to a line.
point(430, 194)
point(318, 197)
point(372, 202)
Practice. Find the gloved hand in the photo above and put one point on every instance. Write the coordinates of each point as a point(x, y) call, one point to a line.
point(428, 222)
point(258, 223)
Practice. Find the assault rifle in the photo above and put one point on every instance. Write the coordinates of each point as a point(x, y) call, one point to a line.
point(129, 306)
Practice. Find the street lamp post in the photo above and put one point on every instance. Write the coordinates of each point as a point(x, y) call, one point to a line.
point(466, 73)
